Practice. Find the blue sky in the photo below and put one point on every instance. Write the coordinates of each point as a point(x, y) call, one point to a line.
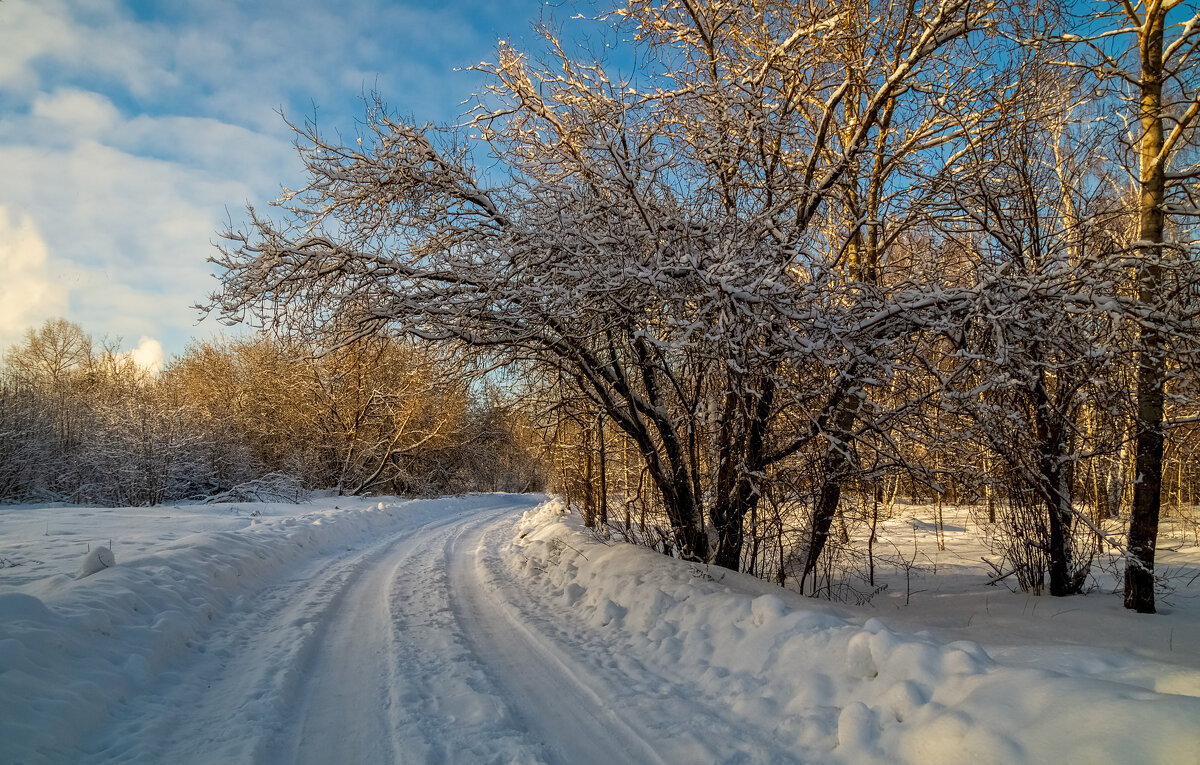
point(130, 132)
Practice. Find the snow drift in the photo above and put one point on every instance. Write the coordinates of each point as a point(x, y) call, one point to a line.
point(840, 688)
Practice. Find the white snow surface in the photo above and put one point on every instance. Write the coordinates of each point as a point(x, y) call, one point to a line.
point(495, 629)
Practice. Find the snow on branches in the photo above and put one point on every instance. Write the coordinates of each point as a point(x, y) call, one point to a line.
point(777, 241)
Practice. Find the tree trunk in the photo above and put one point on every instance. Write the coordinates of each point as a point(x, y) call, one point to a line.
point(836, 461)
point(589, 491)
point(1056, 496)
point(684, 514)
point(1151, 369)
point(728, 521)
point(603, 473)
point(1062, 580)
point(743, 457)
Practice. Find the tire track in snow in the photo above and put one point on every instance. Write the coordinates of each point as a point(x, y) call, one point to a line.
point(342, 712)
point(243, 671)
point(593, 700)
point(441, 671)
point(549, 691)
point(394, 681)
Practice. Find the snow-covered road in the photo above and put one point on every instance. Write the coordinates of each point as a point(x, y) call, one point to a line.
point(356, 655)
point(417, 646)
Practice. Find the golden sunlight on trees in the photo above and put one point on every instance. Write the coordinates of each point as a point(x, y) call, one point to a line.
point(377, 413)
point(799, 258)
point(246, 418)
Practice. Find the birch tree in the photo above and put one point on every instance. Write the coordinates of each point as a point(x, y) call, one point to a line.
point(1147, 50)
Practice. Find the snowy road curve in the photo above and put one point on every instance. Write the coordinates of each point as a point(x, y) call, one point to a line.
point(418, 647)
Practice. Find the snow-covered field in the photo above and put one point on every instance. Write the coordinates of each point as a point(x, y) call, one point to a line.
point(494, 629)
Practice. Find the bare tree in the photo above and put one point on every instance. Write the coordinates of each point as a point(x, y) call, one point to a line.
point(653, 238)
point(1033, 208)
point(1146, 50)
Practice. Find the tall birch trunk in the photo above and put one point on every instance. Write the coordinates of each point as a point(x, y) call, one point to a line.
point(1151, 369)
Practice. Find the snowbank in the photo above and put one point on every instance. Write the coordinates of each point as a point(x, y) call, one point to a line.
point(95, 561)
point(841, 688)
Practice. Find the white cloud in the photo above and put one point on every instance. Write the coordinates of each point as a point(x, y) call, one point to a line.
point(132, 132)
point(95, 36)
point(29, 292)
point(129, 235)
point(30, 30)
point(148, 355)
point(76, 112)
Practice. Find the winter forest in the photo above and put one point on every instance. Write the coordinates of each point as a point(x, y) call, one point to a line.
point(767, 266)
point(734, 279)
point(731, 381)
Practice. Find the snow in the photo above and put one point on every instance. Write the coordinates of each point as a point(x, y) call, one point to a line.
point(955, 676)
point(493, 628)
point(95, 560)
point(124, 646)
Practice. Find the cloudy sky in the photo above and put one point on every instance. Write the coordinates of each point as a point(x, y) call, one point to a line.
point(132, 130)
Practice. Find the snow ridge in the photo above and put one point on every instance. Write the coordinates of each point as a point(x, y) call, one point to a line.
point(832, 687)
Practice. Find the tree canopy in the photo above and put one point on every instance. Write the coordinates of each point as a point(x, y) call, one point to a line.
point(783, 240)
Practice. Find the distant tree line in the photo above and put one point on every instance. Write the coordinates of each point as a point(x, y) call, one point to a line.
point(247, 418)
point(793, 255)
